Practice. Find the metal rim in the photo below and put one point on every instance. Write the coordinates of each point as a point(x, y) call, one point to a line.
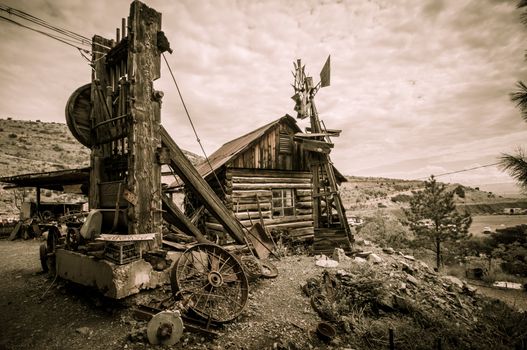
point(268, 269)
point(211, 282)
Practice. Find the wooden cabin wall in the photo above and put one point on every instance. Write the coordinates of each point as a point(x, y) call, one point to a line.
point(272, 152)
point(248, 188)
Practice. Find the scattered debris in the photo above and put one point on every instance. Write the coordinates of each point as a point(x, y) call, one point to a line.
point(324, 261)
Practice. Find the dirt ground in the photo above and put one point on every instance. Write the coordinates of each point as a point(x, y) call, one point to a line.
point(39, 313)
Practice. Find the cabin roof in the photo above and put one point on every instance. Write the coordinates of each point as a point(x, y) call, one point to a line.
point(237, 146)
point(234, 147)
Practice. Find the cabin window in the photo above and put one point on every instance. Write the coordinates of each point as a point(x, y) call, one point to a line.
point(283, 202)
point(285, 145)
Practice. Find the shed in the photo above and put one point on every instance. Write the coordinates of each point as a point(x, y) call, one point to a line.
point(262, 176)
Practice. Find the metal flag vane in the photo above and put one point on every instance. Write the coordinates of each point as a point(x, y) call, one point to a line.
point(305, 90)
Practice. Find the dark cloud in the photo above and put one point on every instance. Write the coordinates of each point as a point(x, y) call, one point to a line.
point(433, 8)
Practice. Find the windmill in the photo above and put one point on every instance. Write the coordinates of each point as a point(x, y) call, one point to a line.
point(331, 226)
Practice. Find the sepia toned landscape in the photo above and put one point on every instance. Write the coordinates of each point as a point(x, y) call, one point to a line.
point(263, 175)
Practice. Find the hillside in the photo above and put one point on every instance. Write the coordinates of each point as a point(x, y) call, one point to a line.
point(364, 195)
point(35, 146)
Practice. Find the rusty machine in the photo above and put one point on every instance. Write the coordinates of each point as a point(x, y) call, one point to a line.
point(117, 116)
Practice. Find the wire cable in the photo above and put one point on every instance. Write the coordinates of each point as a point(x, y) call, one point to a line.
point(462, 171)
point(192, 125)
point(28, 17)
point(63, 40)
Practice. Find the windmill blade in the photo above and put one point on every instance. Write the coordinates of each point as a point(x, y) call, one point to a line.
point(325, 73)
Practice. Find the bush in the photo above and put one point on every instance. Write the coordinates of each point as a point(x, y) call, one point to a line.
point(385, 231)
point(460, 191)
point(12, 136)
point(401, 198)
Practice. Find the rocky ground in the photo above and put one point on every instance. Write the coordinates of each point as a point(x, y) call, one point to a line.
point(361, 298)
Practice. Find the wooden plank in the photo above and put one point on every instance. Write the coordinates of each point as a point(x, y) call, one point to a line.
point(126, 238)
point(234, 172)
point(173, 215)
point(252, 215)
point(182, 166)
point(264, 205)
point(301, 135)
point(251, 193)
point(316, 146)
point(269, 179)
point(269, 186)
point(331, 132)
point(15, 231)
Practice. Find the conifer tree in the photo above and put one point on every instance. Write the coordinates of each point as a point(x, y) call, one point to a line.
point(432, 215)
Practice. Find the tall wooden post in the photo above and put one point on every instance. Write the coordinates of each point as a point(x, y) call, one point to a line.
point(125, 124)
point(144, 172)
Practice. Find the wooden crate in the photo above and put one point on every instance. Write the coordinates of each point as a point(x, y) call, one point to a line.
point(122, 252)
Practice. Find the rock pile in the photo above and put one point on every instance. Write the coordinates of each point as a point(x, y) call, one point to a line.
point(374, 292)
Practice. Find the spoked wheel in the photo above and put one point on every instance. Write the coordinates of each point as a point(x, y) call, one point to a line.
point(211, 282)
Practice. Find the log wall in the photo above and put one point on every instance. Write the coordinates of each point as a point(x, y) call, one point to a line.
point(248, 193)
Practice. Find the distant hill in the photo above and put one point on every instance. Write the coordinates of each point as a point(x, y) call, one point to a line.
point(363, 196)
point(35, 146)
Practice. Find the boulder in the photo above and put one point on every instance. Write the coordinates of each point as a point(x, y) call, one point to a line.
point(339, 255)
point(359, 260)
point(388, 250)
point(374, 258)
point(453, 280)
point(326, 262)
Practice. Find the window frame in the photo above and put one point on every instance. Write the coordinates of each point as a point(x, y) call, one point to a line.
point(280, 196)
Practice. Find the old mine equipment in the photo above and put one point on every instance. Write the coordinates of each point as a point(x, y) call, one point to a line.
point(117, 116)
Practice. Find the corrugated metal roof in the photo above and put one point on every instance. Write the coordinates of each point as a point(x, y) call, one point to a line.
point(51, 179)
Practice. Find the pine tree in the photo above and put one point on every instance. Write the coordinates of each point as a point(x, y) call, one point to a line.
point(516, 164)
point(432, 215)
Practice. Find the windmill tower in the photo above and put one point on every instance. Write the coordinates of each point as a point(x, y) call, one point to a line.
point(331, 226)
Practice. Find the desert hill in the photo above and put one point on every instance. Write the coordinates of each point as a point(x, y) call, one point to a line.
point(34, 146)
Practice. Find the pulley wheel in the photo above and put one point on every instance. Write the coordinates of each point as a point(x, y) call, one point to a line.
point(78, 110)
point(165, 328)
point(211, 282)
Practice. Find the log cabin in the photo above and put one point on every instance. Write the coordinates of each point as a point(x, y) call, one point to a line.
point(262, 176)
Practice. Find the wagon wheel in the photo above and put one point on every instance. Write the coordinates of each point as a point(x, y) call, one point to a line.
point(211, 282)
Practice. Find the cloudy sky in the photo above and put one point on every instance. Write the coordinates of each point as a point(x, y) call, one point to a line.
point(418, 87)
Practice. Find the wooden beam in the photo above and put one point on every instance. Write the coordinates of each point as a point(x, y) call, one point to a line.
point(144, 172)
point(313, 135)
point(331, 132)
point(182, 167)
point(315, 145)
point(175, 216)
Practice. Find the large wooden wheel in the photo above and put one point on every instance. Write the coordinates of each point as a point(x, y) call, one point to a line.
point(211, 282)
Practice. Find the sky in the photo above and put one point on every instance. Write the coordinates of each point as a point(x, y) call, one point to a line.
point(418, 87)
